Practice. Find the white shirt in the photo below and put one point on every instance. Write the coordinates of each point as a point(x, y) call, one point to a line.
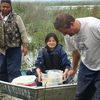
point(87, 42)
point(4, 18)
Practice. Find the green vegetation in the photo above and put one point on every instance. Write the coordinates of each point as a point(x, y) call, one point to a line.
point(39, 20)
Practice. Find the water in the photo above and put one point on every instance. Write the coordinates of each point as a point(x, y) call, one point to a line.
point(69, 7)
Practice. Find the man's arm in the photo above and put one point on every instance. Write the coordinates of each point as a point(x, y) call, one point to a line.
point(75, 60)
point(23, 32)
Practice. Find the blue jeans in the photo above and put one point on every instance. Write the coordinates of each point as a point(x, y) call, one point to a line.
point(88, 84)
point(10, 64)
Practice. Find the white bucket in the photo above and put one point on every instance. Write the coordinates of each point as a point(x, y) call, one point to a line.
point(44, 79)
point(53, 77)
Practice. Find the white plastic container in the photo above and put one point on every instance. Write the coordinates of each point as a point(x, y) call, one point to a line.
point(44, 79)
point(52, 78)
point(28, 80)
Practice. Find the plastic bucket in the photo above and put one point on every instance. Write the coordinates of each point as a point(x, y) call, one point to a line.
point(53, 77)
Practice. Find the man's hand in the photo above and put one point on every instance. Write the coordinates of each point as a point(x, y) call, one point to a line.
point(71, 72)
point(25, 49)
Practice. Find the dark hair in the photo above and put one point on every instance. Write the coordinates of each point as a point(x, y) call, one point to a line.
point(49, 36)
point(63, 20)
point(7, 1)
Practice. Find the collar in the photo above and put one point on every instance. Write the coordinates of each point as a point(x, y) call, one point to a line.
point(4, 18)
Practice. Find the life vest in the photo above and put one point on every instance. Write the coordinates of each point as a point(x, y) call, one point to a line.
point(9, 32)
point(51, 61)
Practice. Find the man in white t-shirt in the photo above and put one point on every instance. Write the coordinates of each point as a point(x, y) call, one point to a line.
point(82, 37)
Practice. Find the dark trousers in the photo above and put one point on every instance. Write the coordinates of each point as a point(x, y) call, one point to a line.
point(88, 84)
point(10, 64)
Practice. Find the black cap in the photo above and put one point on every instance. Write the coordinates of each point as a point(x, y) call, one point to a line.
point(7, 1)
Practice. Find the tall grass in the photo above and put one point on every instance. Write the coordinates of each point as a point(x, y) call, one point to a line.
point(39, 21)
